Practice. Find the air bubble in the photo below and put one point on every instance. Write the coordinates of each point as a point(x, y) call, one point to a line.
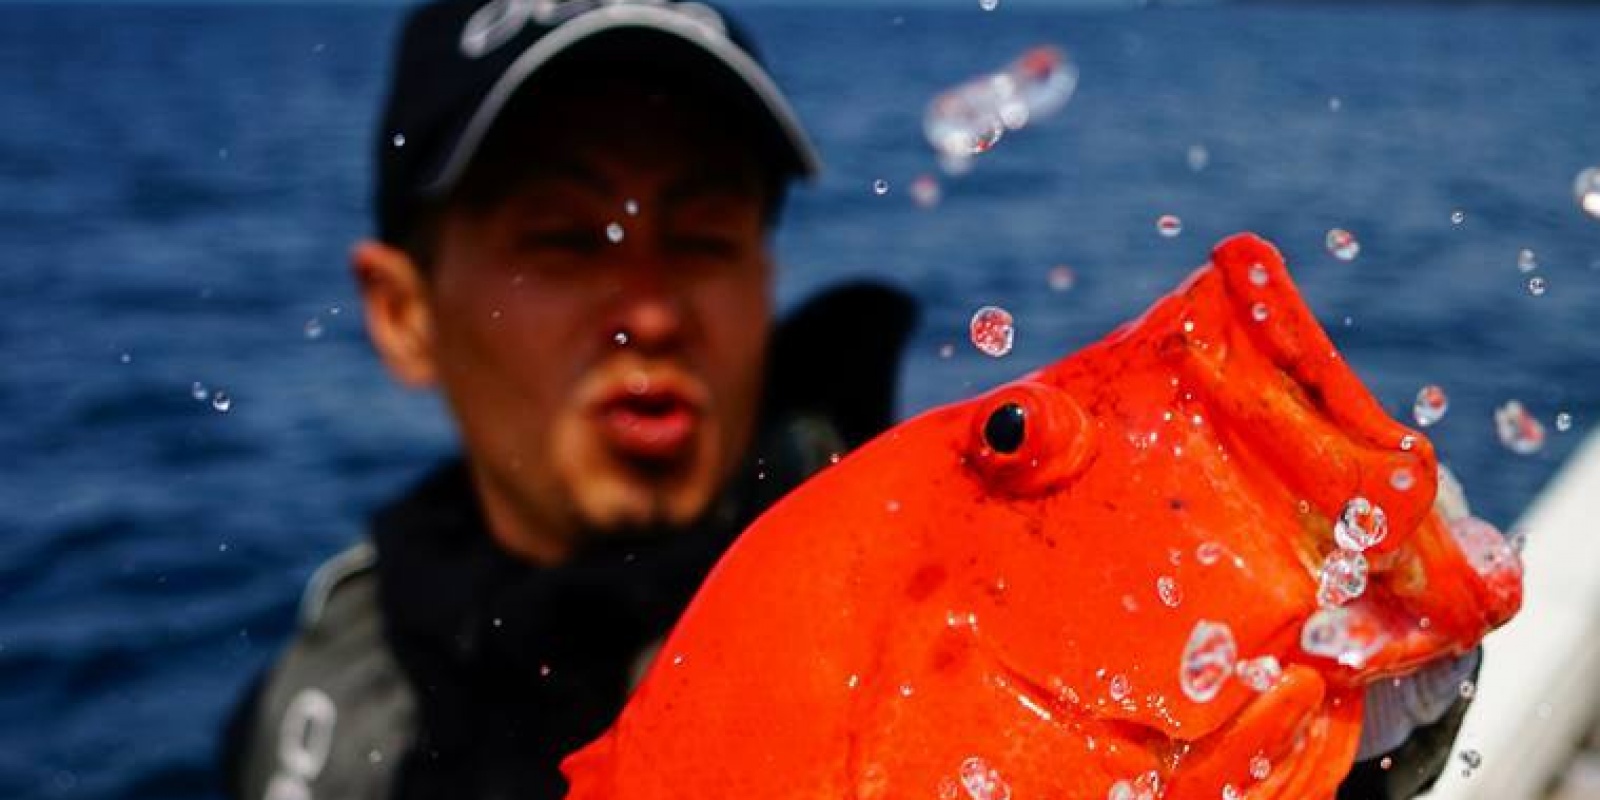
point(1168, 225)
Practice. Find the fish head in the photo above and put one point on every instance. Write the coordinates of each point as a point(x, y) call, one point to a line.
point(1155, 527)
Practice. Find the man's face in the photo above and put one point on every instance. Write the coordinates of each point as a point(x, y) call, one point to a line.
point(600, 324)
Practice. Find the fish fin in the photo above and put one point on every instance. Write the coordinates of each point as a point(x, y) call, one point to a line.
point(589, 770)
point(1294, 732)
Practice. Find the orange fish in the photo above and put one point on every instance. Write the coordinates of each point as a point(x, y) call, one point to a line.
point(1164, 566)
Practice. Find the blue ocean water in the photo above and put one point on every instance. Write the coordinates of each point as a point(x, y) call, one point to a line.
point(179, 187)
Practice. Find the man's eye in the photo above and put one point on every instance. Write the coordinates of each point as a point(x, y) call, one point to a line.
point(574, 239)
point(707, 245)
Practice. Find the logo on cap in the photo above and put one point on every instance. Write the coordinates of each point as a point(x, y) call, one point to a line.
point(499, 20)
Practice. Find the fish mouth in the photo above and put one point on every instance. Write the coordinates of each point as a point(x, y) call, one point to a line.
point(1266, 364)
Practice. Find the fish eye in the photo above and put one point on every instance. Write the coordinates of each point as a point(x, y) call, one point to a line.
point(1004, 429)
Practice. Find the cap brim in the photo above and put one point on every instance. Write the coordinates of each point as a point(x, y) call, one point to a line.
point(595, 24)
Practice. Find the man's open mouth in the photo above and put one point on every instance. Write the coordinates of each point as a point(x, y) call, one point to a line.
point(653, 425)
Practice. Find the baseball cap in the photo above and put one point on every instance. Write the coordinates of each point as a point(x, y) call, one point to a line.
point(461, 62)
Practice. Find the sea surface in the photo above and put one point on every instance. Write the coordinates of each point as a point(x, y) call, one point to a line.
point(180, 186)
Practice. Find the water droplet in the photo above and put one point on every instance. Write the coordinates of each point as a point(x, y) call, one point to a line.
point(1168, 225)
point(1402, 479)
point(1537, 286)
point(988, 5)
point(1361, 525)
point(221, 401)
point(620, 338)
point(126, 358)
point(1168, 590)
point(906, 690)
point(314, 328)
point(1198, 157)
point(1260, 673)
point(1230, 792)
point(544, 670)
point(1119, 687)
point(1208, 661)
point(992, 331)
point(630, 207)
point(880, 187)
point(198, 391)
point(1258, 312)
point(1430, 405)
point(1457, 217)
point(982, 781)
point(1208, 553)
point(496, 622)
point(1386, 763)
point(1526, 261)
point(1407, 442)
point(1341, 635)
point(614, 233)
point(1586, 190)
point(1062, 278)
point(1260, 767)
point(1518, 430)
point(1121, 790)
point(1343, 578)
point(374, 756)
point(947, 350)
point(925, 191)
point(1342, 244)
point(1563, 422)
point(222, 548)
point(1467, 690)
point(399, 140)
point(853, 681)
point(1258, 274)
point(1335, 104)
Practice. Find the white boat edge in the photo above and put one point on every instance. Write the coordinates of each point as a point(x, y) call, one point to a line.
point(1537, 694)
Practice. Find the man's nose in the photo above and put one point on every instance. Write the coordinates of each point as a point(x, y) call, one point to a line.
point(648, 310)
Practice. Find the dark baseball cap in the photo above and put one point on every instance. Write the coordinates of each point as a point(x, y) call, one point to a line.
point(460, 63)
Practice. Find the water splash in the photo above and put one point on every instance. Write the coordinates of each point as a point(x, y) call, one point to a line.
point(1430, 405)
point(982, 782)
point(1208, 661)
point(1362, 524)
point(1260, 673)
point(1169, 591)
point(1586, 190)
point(1343, 578)
point(1062, 278)
point(1341, 635)
point(925, 191)
point(1519, 431)
point(993, 331)
point(1342, 244)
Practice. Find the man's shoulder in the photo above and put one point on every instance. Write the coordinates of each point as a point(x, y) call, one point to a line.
point(335, 714)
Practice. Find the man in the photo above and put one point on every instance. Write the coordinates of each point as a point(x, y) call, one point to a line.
point(574, 203)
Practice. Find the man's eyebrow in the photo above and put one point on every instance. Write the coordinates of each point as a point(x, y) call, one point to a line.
point(708, 184)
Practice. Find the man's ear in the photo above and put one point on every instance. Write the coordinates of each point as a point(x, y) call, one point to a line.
point(399, 317)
